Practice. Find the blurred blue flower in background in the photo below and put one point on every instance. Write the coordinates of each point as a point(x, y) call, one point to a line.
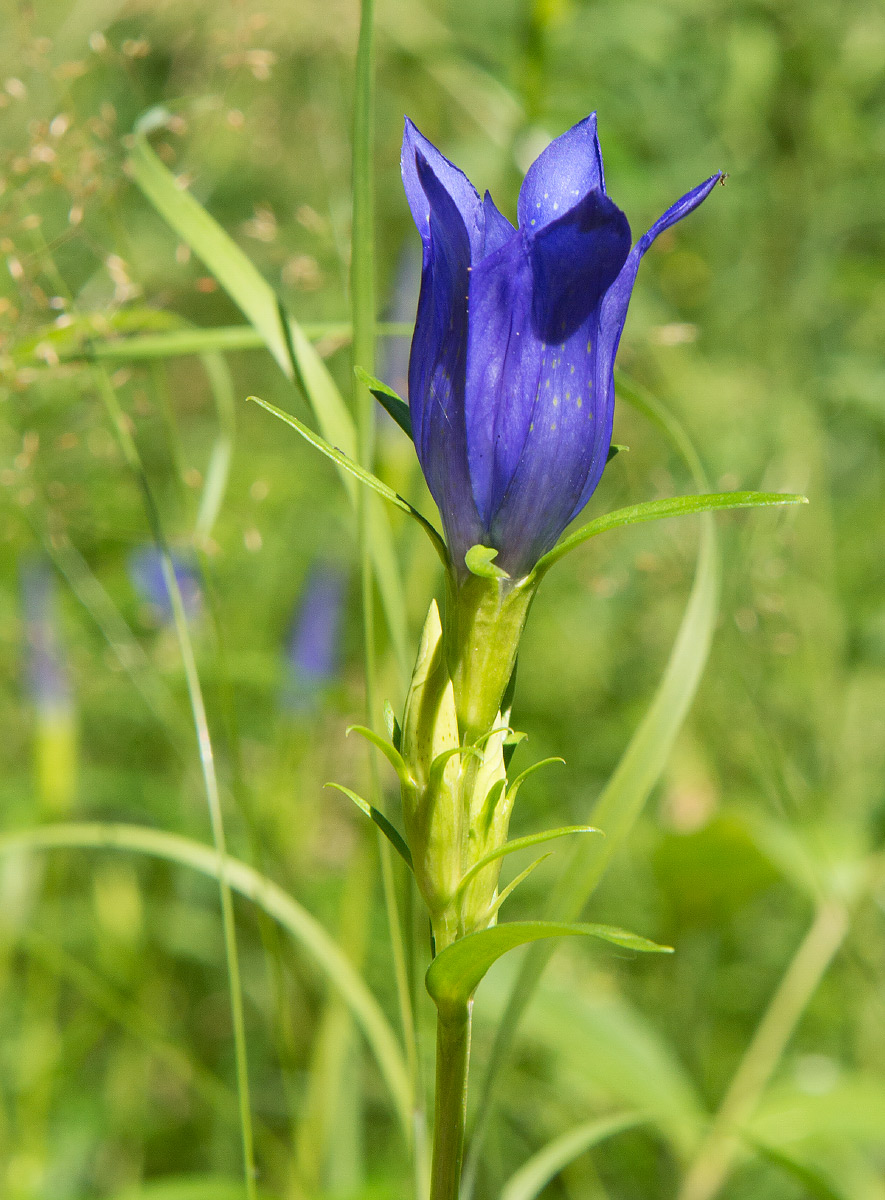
point(313, 647)
point(511, 385)
point(146, 575)
point(49, 687)
point(46, 673)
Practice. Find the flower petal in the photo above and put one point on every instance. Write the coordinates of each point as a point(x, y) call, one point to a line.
point(438, 359)
point(498, 229)
point(528, 410)
point(575, 260)
point(561, 175)
point(462, 192)
point(613, 314)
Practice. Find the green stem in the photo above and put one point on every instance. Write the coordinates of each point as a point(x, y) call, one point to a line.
point(711, 1167)
point(452, 1062)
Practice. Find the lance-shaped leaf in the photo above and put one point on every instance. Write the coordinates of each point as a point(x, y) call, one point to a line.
point(514, 884)
point(393, 727)
point(656, 510)
point(457, 971)
point(523, 775)
point(389, 830)
point(389, 751)
point(364, 476)
point(522, 843)
point(392, 404)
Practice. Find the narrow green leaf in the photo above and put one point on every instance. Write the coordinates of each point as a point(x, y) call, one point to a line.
point(392, 404)
point(457, 971)
point(614, 450)
point(390, 831)
point(271, 898)
point(478, 561)
point(287, 342)
point(388, 749)
point(816, 1185)
point(522, 843)
point(364, 476)
point(656, 510)
point(523, 776)
point(177, 343)
point(515, 882)
point(393, 727)
point(534, 1175)
point(218, 469)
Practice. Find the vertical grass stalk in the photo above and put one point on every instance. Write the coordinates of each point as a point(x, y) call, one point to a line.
point(210, 779)
point(715, 1159)
point(362, 283)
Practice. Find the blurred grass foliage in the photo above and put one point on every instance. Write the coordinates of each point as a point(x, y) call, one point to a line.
point(760, 322)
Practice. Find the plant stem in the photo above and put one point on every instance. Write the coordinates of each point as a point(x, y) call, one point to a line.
point(710, 1168)
point(452, 1062)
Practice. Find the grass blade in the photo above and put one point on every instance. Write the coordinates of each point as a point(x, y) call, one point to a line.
point(534, 1175)
point(289, 346)
point(270, 898)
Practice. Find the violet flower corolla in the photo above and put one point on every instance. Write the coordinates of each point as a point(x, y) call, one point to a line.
point(511, 380)
point(511, 385)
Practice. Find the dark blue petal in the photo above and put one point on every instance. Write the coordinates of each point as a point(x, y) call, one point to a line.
point(613, 312)
point(575, 260)
point(498, 229)
point(462, 192)
point(437, 364)
point(562, 175)
point(529, 414)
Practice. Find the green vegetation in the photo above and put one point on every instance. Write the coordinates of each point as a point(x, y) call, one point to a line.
point(175, 234)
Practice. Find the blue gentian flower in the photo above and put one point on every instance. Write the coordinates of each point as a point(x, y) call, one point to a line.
point(511, 385)
point(47, 676)
point(313, 649)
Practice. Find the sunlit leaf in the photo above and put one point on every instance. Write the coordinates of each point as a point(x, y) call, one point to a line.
point(457, 971)
point(272, 899)
point(522, 843)
point(392, 404)
point(390, 831)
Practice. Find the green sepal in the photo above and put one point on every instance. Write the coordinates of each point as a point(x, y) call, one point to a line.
point(359, 472)
point(457, 971)
point(522, 843)
point(523, 775)
point(479, 561)
point(614, 450)
point(394, 732)
point(390, 831)
point(389, 751)
point(392, 404)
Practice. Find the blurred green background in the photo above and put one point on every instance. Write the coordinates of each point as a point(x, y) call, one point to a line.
point(759, 322)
